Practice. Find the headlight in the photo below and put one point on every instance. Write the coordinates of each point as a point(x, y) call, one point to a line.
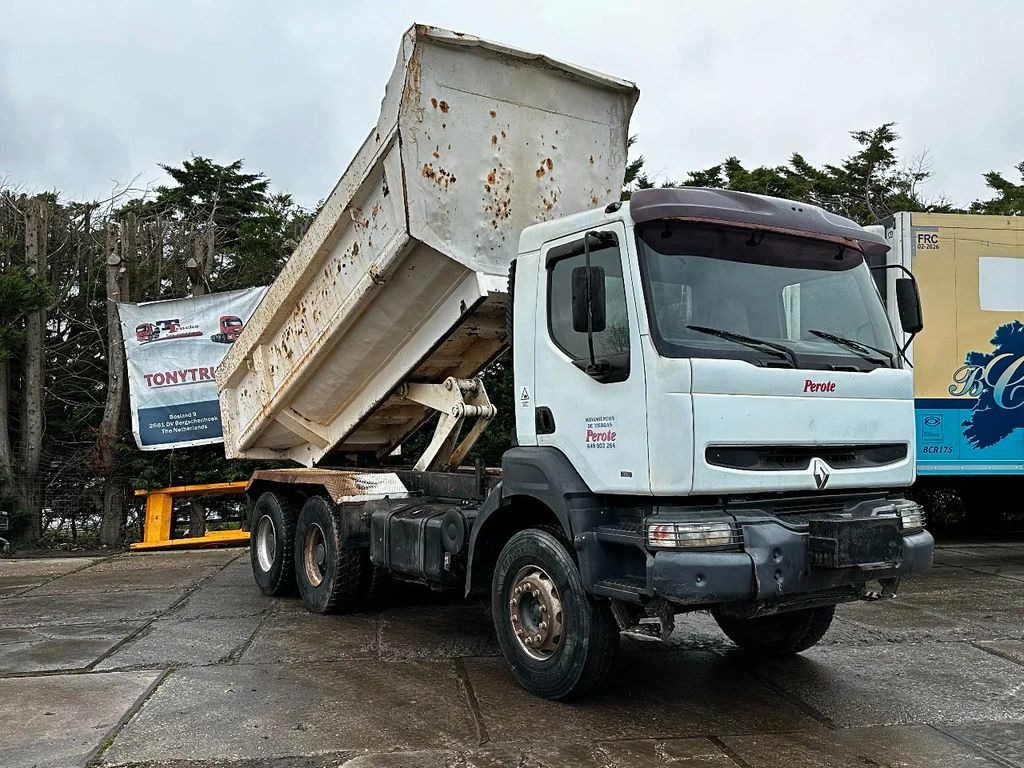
point(911, 515)
point(702, 535)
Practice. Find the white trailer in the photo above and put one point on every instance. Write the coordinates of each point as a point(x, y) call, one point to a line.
point(710, 411)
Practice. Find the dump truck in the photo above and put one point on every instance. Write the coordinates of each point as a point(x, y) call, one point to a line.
point(969, 363)
point(710, 409)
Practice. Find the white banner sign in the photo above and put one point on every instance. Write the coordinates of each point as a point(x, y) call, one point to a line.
point(173, 348)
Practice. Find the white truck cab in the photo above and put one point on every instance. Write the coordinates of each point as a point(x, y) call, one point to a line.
point(712, 406)
point(683, 269)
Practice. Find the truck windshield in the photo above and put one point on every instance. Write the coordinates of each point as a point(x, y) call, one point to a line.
point(773, 299)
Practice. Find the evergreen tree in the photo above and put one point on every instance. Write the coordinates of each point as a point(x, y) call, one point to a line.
point(1009, 199)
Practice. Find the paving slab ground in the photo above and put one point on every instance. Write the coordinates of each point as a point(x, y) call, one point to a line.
point(62, 720)
point(175, 660)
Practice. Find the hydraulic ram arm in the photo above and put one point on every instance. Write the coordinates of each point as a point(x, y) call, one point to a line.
point(456, 400)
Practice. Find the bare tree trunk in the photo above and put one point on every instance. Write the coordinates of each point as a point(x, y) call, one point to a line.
point(197, 518)
point(117, 383)
point(200, 265)
point(112, 522)
point(7, 473)
point(6, 454)
point(31, 443)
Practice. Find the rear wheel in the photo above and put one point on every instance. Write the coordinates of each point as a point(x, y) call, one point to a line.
point(331, 578)
point(783, 634)
point(271, 538)
point(556, 639)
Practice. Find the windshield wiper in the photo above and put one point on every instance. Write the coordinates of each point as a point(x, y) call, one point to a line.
point(862, 349)
point(776, 350)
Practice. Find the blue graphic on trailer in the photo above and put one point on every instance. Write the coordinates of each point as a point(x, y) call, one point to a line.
point(981, 428)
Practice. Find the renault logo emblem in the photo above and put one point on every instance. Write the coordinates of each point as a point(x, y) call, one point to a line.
point(821, 474)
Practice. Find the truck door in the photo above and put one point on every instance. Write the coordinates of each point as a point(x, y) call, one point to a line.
point(597, 420)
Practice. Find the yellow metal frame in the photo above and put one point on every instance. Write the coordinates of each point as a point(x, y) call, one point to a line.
point(160, 515)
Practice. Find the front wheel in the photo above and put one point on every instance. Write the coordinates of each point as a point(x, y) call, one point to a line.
point(783, 634)
point(556, 639)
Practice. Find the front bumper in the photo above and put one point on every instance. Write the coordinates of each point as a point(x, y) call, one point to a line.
point(772, 569)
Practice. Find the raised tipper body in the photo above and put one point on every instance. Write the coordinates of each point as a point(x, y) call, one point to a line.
point(402, 275)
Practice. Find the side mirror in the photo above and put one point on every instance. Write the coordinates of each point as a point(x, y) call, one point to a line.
point(908, 302)
point(588, 299)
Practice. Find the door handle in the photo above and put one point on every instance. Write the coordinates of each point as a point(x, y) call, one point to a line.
point(545, 420)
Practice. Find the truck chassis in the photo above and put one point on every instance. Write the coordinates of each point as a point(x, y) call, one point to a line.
point(568, 570)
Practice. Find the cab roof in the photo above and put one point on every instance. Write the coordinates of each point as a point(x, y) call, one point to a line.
point(741, 208)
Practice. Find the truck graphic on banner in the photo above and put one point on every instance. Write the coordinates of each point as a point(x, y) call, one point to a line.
point(166, 330)
point(230, 329)
point(173, 348)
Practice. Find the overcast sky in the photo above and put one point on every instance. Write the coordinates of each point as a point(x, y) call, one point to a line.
point(96, 94)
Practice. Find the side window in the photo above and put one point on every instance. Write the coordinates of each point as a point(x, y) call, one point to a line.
point(614, 339)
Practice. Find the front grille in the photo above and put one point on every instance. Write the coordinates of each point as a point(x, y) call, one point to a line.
point(767, 458)
point(809, 507)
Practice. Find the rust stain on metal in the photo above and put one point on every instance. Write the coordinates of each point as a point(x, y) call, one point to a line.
point(443, 106)
point(549, 164)
point(358, 219)
point(339, 484)
point(493, 113)
point(413, 80)
point(494, 139)
point(498, 206)
point(439, 176)
point(540, 171)
point(433, 103)
point(593, 200)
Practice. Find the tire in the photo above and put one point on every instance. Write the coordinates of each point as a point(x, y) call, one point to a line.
point(271, 544)
point(566, 664)
point(783, 634)
point(331, 578)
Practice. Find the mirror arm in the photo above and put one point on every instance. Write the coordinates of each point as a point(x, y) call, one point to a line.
point(595, 369)
point(905, 347)
point(590, 299)
point(908, 273)
point(900, 267)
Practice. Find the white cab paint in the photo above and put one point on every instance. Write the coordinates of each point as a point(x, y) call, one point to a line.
point(686, 405)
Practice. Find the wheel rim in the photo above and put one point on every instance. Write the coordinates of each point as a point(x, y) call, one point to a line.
point(266, 543)
point(314, 554)
point(535, 613)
